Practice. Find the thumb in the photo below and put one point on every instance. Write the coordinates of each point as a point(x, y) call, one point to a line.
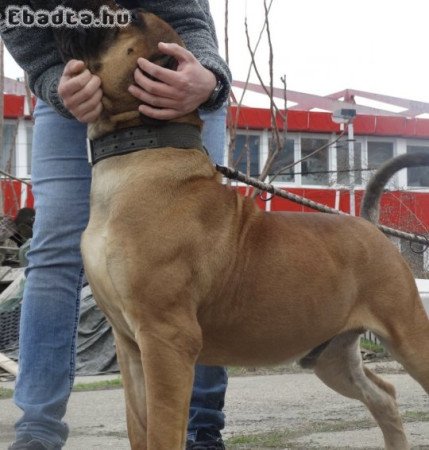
point(73, 67)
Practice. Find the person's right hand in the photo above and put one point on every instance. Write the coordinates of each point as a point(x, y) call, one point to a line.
point(80, 91)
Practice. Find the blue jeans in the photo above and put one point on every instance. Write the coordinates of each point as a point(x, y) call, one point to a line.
point(61, 182)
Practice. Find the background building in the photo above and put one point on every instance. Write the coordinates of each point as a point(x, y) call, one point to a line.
point(328, 176)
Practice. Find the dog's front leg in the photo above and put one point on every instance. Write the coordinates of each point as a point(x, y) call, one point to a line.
point(129, 358)
point(169, 353)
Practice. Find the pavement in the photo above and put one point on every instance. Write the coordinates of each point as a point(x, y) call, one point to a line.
point(295, 404)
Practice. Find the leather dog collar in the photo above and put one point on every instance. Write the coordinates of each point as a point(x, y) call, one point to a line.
point(128, 140)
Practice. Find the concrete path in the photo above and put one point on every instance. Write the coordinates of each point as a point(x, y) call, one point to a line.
point(297, 404)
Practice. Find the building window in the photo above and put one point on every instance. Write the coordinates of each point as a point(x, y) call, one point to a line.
point(343, 166)
point(418, 176)
point(314, 169)
point(7, 157)
point(378, 153)
point(283, 159)
point(246, 153)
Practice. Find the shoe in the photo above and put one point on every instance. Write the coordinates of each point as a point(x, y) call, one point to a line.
point(206, 440)
point(28, 443)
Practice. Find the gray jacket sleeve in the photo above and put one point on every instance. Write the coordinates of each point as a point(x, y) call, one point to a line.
point(194, 23)
point(34, 48)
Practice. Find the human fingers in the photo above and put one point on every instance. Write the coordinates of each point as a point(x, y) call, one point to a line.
point(89, 110)
point(87, 90)
point(151, 84)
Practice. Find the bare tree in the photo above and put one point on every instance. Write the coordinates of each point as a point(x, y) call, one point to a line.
point(278, 117)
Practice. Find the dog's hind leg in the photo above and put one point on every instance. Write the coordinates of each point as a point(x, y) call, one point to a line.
point(129, 358)
point(340, 367)
point(408, 340)
point(414, 356)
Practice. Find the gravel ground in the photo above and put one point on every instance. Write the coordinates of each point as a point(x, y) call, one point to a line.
point(283, 411)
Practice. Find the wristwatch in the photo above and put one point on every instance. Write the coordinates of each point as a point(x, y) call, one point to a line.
point(211, 101)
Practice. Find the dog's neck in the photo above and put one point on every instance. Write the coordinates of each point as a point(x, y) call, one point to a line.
point(108, 123)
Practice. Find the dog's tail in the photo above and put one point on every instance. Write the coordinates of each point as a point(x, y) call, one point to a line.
point(370, 209)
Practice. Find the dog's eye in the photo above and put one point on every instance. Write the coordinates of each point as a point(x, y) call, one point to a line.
point(96, 67)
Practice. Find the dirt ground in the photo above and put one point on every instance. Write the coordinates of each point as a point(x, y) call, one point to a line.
point(283, 411)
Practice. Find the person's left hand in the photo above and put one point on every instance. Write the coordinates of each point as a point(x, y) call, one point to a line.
point(177, 92)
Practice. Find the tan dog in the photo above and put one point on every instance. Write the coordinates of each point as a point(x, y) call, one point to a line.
point(189, 271)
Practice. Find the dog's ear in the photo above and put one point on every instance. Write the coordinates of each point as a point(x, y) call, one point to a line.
point(81, 43)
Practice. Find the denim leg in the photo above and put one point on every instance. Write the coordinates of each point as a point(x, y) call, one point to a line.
point(208, 395)
point(50, 310)
point(208, 398)
point(214, 133)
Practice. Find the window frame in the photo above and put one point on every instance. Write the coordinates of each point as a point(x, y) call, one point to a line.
point(415, 143)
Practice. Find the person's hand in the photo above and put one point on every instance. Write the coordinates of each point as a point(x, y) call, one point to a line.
point(80, 91)
point(176, 92)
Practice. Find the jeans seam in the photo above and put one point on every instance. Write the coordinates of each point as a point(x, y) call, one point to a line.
point(75, 330)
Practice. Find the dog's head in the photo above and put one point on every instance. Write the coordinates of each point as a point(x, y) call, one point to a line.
point(112, 53)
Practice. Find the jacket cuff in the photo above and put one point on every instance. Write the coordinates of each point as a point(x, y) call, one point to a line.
point(223, 95)
point(46, 88)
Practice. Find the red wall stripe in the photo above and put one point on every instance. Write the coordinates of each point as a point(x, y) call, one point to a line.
point(321, 122)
